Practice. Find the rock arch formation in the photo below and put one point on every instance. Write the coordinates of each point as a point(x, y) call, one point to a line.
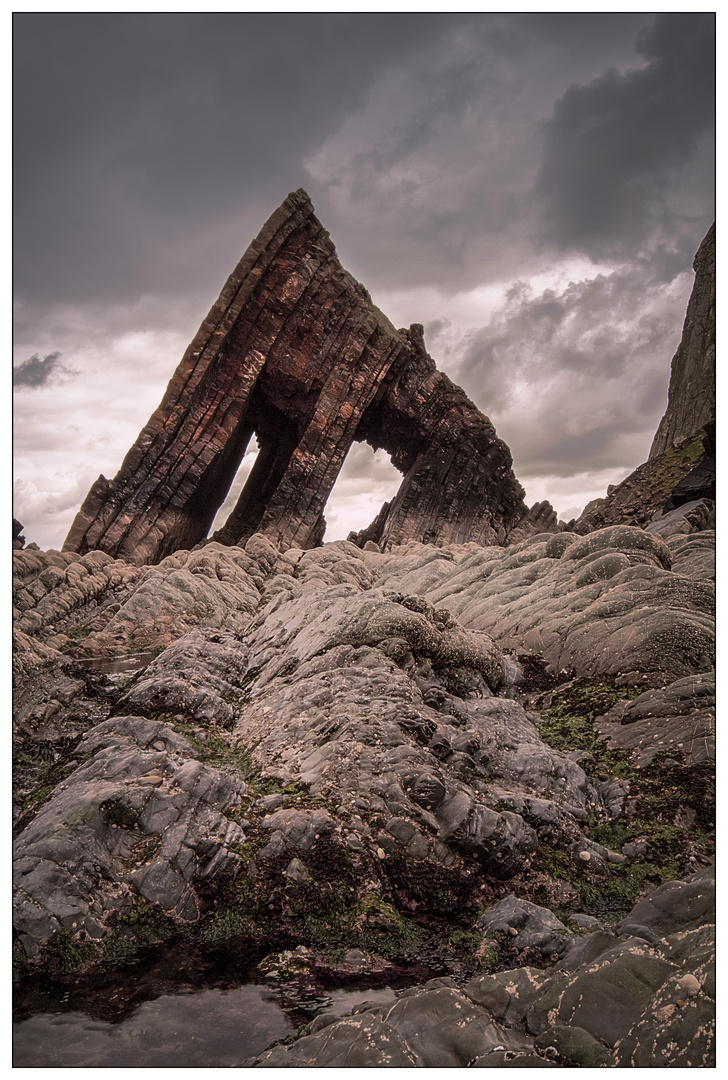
point(295, 351)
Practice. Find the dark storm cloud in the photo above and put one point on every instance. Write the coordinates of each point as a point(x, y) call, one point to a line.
point(34, 372)
point(135, 132)
point(151, 148)
point(614, 146)
point(432, 183)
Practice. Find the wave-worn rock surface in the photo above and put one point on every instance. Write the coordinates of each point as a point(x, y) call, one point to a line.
point(476, 754)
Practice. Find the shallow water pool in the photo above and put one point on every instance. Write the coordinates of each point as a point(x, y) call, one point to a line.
point(119, 665)
point(207, 1029)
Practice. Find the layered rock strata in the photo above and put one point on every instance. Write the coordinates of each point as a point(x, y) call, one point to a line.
point(294, 351)
point(371, 679)
point(18, 538)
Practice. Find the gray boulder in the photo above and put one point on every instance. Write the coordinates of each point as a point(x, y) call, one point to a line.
point(138, 817)
point(200, 675)
point(679, 718)
point(676, 905)
point(527, 925)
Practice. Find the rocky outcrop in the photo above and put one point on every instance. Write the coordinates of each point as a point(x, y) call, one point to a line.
point(621, 1001)
point(294, 351)
point(680, 478)
point(679, 717)
point(348, 749)
point(681, 466)
point(373, 680)
point(54, 590)
point(691, 396)
point(603, 604)
point(137, 811)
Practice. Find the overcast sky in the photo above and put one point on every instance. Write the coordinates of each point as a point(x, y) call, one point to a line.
point(530, 187)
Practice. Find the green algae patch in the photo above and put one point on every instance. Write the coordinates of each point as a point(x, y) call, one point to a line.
point(134, 932)
point(669, 829)
point(220, 751)
point(62, 955)
point(214, 748)
point(568, 724)
point(327, 911)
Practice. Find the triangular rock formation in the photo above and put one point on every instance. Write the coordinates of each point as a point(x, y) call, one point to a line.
point(294, 351)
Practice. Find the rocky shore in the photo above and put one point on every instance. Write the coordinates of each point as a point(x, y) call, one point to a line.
point(484, 755)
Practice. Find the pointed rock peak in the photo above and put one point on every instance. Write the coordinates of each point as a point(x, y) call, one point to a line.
point(294, 351)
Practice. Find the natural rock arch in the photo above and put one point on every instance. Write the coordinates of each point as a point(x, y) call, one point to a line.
point(295, 351)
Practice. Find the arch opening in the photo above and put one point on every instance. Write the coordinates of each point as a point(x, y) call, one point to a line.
point(367, 480)
point(277, 437)
point(239, 481)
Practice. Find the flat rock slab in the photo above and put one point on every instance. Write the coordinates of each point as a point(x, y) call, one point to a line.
point(679, 718)
point(434, 1026)
point(637, 990)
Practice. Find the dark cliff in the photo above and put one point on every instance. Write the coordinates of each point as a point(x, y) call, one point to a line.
point(680, 468)
point(691, 396)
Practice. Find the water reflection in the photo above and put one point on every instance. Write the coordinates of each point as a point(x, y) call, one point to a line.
point(120, 665)
point(211, 1028)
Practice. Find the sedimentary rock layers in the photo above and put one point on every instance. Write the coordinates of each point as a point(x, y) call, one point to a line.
point(368, 678)
point(603, 604)
point(294, 351)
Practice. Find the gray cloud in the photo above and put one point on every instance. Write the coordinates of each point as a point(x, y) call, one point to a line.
point(364, 464)
point(34, 372)
point(571, 375)
point(614, 146)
